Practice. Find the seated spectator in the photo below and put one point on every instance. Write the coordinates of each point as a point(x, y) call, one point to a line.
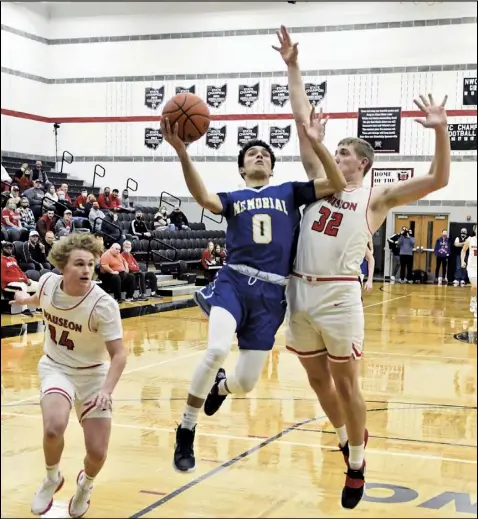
point(11, 222)
point(26, 215)
point(140, 277)
point(35, 195)
point(46, 223)
point(114, 274)
point(6, 180)
point(219, 255)
point(115, 202)
point(12, 194)
point(89, 204)
point(112, 233)
point(162, 222)
point(25, 181)
point(80, 203)
point(65, 226)
point(20, 172)
point(178, 219)
point(40, 175)
point(138, 227)
point(12, 277)
point(63, 204)
point(104, 199)
point(48, 242)
point(208, 260)
point(96, 212)
point(62, 192)
point(33, 255)
point(50, 197)
point(125, 201)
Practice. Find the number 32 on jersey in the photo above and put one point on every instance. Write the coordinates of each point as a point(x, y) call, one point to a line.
point(329, 222)
point(262, 228)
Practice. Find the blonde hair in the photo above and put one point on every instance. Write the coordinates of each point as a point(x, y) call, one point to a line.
point(61, 250)
point(362, 149)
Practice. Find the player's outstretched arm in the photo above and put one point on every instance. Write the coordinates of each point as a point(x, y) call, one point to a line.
point(412, 190)
point(193, 180)
point(335, 180)
point(299, 102)
point(466, 246)
point(22, 298)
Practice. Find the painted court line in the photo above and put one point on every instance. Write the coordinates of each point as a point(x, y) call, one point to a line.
point(284, 442)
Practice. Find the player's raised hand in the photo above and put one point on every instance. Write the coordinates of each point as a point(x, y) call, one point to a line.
point(287, 49)
point(315, 129)
point(435, 115)
point(20, 298)
point(171, 135)
point(101, 401)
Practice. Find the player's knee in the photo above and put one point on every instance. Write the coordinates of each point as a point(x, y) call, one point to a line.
point(96, 453)
point(247, 383)
point(54, 429)
point(321, 383)
point(215, 357)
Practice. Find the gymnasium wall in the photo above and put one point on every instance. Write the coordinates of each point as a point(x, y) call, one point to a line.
point(90, 74)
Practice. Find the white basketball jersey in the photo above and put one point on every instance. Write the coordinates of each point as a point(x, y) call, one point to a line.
point(69, 337)
point(472, 257)
point(334, 234)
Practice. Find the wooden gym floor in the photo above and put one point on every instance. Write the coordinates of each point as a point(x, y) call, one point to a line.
point(271, 454)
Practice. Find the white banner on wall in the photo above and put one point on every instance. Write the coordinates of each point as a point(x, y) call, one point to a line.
point(382, 176)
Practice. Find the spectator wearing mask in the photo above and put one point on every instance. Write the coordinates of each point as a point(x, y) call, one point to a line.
point(114, 273)
point(27, 217)
point(162, 222)
point(141, 278)
point(40, 175)
point(46, 223)
point(11, 222)
point(178, 219)
point(80, 203)
point(13, 278)
point(63, 189)
point(112, 231)
point(63, 204)
point(407, 244)
point(35, 196)
point(104, 199)
point(395, 250)
point(48, 242)
point(138, 227)
point(25, 181)
point(89, 203)
point(65, 226)
point(96, 212)
point(125, 200)
point(442, 253)
point(33, 254)
point(460, 274)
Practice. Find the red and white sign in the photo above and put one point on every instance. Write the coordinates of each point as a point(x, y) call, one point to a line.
point(381, 176)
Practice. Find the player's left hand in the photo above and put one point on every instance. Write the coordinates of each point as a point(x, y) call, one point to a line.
point(368, 286)
point(464, 265)
point(315, 129)
point(435, 114)
point(287, 49)
point(101, 401)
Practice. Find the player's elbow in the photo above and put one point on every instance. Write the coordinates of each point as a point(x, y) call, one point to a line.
point(339, 183)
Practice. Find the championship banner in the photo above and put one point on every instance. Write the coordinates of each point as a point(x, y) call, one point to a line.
point(381, 176)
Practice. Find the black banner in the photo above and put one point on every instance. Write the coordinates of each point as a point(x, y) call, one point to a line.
point(316, 92)
point(186, 90)
point(380, 127)
point(215, 137)
point(279, 137)
point(248, 94)
point(215, 96)
point(152, 138)
point(462, 136)
point(245, 134)
point(469, 91)
point(279, 94)
point(153, 97)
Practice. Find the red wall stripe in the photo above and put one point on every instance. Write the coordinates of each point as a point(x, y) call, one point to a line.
point(225, 117)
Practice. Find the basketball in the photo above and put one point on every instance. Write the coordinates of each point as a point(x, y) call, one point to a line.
point(191, 114)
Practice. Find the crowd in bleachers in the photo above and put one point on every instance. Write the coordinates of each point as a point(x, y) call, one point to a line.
point(36, 213)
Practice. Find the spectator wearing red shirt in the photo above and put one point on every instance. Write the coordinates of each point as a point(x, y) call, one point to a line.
point(46, 223)
point(12, 276)
point(104, 198)
point(25, 181)
point(208, 260)
point(11, 222)
point(81, 201)
point(115, 200)
point(140, 277)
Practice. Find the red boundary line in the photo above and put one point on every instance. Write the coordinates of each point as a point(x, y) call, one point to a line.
point(226, 117)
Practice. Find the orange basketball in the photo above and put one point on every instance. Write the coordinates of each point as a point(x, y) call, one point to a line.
point(191, 114)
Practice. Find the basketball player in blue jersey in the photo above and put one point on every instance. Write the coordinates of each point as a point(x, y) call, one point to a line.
point(247, 297)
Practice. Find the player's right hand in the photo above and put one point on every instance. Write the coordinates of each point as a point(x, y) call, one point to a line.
point(171, 135)
point(20, 298)
point(287, 49)
point(463, 265)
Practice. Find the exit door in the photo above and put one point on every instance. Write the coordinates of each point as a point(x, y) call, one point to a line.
point(426, 228)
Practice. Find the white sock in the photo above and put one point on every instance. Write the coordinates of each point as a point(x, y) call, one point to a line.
point(190, 417)
point(222, 388)
point(473, 301)
point(53, 473)
point(342, 435)
point(356, 456)
point(87, 481)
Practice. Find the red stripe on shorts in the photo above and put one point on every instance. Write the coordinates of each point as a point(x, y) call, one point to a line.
point(59, 391)
point(305, 354)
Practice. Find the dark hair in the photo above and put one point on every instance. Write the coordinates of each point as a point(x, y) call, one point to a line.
point(115, 191)
point(250, 144)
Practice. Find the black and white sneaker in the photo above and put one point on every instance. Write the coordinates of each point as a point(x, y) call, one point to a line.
point(184, 460)
point(214, 400)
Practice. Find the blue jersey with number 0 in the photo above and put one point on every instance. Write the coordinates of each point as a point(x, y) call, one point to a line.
point(263, 225)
